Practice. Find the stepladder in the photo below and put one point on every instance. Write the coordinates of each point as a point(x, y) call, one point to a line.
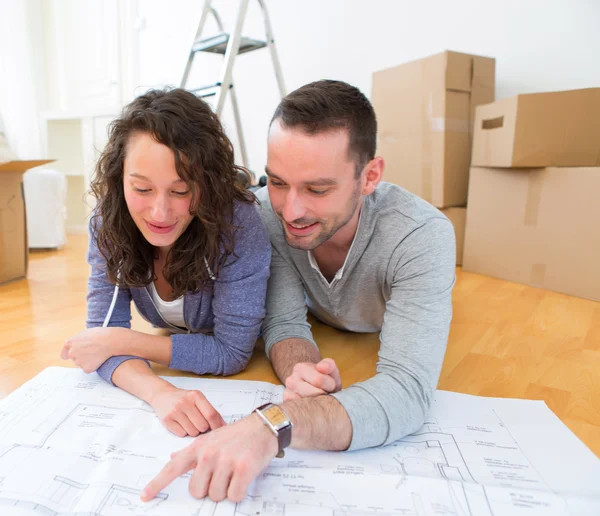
point(230, 45)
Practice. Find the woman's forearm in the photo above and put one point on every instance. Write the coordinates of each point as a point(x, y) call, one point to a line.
point(156, 348)
point(135, 377)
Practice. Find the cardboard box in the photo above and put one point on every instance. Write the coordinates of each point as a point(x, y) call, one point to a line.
point(425, 112)
point(13, 227)
point(538, 226)
point(458, 217)
point(560, 129)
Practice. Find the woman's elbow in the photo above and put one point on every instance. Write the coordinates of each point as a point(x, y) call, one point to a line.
point(236, 364)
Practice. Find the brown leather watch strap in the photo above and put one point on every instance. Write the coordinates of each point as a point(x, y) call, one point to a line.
point(282, 432)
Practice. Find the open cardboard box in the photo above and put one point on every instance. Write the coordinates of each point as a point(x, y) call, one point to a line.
point(557, 129)
point(13, 226)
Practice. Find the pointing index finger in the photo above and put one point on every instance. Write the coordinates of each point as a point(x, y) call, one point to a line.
point(177, 466)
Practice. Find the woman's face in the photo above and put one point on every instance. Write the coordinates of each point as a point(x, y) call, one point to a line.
point(157, 198)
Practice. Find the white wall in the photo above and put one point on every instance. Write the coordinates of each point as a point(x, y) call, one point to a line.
point(81, 44)
point(22, 92)
point(540, 45)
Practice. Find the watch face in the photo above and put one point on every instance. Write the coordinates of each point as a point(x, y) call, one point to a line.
point(276, 416)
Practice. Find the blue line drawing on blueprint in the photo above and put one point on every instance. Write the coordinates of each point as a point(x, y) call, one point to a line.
point(438, 453)
point(66, 493)
point(56, 416)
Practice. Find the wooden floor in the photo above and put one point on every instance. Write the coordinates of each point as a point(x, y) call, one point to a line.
point(506, 340)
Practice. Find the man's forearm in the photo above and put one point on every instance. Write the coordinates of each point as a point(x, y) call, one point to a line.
point(320, 423)
point(156, 348)
point(287, 353)
point(135, 377)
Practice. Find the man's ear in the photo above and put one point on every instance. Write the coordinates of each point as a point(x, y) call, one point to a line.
point(372, 174)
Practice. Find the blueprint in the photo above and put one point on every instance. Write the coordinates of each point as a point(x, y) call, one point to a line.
point(70, 444)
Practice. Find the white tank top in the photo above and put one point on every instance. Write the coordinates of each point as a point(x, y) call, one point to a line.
point(171, 311)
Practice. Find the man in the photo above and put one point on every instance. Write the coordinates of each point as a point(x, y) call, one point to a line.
point(362, 256)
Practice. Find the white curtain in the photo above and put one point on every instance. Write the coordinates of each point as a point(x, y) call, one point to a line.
point(22, 92)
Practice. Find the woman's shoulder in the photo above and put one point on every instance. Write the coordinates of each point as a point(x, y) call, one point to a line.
point(250, 230)
point(245, 214)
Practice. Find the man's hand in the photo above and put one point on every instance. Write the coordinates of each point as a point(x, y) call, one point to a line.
point(185, 412)
point(308, 379)
point(90, 348)
point(224, 461)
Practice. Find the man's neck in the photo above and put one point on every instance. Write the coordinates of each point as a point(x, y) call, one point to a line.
point(343, 238)
point(331, 255)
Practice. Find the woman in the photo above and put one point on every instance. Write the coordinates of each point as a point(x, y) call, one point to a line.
point(176, 232)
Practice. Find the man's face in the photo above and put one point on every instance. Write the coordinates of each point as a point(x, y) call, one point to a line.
point(312, 184)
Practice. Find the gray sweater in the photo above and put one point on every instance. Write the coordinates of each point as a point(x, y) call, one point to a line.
point(397, 279)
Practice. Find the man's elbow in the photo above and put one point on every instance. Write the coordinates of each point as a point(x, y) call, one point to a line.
point(411, 421)
point(418, 420)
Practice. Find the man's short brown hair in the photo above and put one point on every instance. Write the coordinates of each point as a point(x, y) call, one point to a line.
point(327, 105)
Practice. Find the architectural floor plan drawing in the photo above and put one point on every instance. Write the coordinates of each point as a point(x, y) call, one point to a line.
point(70, 444)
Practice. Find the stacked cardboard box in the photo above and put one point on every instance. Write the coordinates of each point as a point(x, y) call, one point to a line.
point(425, 111)
point(533, 214)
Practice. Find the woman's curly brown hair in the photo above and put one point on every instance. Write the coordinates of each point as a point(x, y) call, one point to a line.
point(204, 159)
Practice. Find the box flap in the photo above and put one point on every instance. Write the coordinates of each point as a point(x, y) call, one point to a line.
point(470, 73)
point(458, 71)
point(559, 128)
point(493, 133)
point(22, 166)
point(456, 155)
point(483, 83)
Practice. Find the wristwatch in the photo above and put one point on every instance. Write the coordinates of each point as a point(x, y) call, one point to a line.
point(278, 422)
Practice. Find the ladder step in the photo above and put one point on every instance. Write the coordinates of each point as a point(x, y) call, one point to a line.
point(218, 44)
point(210, 90)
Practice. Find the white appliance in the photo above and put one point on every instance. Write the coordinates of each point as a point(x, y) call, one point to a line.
point(45, 204)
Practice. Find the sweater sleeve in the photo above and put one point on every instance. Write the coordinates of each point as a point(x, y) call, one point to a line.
point(238, 304)
point(286, 305)
point(286, 301)
point(414, 335)
point(99, 298)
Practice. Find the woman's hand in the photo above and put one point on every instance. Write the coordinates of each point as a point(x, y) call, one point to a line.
point(185, 412)
point(90, 348)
